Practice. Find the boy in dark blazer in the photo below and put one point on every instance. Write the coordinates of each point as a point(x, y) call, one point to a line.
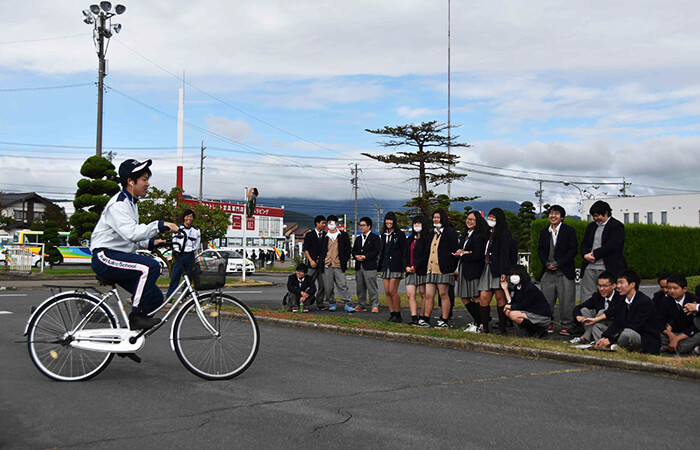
point(680, 334)
point(557, 249)
point(365, 250)
point(602, 247)
point(596, 314)
point(633, 327)
point(312, 251)
point(300, 287)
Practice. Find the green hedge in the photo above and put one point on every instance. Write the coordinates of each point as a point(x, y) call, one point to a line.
point(649, 249)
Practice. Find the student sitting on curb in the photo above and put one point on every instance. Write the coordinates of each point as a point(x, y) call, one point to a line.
point(680, 335)
point(634, 326)
point(596, 314)
point(528, 307)
point(300, 288)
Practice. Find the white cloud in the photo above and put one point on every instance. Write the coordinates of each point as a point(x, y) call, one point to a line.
point(236, 130)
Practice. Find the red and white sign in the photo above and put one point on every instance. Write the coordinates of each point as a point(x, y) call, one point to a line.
point(235, 208)
point(250, 224)
point(236, 222)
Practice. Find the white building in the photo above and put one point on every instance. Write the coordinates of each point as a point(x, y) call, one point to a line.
point(676, 210)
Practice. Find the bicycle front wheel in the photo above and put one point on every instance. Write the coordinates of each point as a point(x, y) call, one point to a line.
point(49, 338)
point(228, 352)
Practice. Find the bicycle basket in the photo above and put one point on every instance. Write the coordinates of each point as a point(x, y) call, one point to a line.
point(209, 272)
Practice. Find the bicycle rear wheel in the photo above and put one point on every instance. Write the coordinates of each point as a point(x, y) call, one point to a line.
point(224, 355)
point(49, 338)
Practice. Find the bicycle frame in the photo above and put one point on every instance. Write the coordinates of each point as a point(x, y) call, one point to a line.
point(127, 340)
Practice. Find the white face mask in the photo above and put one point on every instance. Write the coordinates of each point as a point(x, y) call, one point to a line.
point(331, 226)
point(515, 280)
point(417, 228)
point(438, 226)
point(491, 223)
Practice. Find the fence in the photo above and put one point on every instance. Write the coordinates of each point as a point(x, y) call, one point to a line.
point(21, 257)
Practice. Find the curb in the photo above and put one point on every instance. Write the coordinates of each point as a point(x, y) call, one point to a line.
point(485, 347)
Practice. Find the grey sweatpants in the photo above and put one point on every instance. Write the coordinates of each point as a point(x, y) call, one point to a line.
point(333, 278)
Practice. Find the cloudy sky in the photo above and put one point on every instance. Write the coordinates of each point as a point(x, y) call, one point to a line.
point(281, 93)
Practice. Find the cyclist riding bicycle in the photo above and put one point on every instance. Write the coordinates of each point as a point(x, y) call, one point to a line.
point(117, 236)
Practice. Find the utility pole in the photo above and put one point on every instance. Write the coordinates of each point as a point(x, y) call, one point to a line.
point(449, 121)
point(100, 16)
point(378, 207)
point(353, 181)
point(539, 198)
point(201, 173)
point(624, 187)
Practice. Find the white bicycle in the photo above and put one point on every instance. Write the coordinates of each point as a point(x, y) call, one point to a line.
point(73, 336)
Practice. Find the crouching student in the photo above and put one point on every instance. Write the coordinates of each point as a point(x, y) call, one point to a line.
point(528, 307)
point(596, 314)
point(680, 335)
point(300, 288)
point(634, 326)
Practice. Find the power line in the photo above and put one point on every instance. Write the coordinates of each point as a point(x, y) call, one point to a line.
point(226, 103)
point(44, 39)
point(45, 88)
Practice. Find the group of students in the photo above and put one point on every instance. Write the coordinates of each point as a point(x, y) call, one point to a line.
point(434, 259)
point(481, 264)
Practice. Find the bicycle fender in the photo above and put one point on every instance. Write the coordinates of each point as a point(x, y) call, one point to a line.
point(43, 305)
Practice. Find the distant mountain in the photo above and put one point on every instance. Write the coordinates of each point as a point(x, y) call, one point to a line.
point(303, 210)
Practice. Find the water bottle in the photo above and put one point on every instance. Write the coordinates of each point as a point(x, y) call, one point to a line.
point(301, 306)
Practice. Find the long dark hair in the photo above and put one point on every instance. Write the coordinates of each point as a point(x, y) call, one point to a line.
point(392, 216)
point(481, 225)
point(501, 224)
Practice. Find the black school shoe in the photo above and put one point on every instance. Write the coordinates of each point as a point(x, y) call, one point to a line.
point(140, 321)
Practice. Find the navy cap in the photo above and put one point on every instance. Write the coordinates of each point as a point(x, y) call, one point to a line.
point(131, 166)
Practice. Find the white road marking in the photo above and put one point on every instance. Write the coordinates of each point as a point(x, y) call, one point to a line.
point(6, 312)
point(13, 295)
point(243, 292)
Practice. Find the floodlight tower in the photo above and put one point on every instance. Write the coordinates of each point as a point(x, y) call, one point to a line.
point(100, 16)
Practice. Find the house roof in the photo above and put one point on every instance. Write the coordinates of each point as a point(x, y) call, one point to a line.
point(7, 199)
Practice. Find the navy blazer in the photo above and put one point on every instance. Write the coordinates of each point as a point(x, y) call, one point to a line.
point(596, 303)
point(640, 318)
point(499, 255)
point(343, 250)
point(449, 243)
point(307, 285)
point(679, 321)
point(394, 250)
point(564, 250)
point(312, 244)
point(421, 253)
point(472, 263)
point(371, 250)
point(611, 248)
point(530, 299)
point(659, 299)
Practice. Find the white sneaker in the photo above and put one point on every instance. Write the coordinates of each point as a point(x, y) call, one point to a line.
point(577, 340)
point(471, 328)
point(614, 347)
point(423, 323)
point(696, 350)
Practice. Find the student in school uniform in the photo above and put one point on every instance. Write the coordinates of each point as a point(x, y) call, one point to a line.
point(442, 264)
point(633, 327)
point(681, 334)
point(365, 251)
point(596, 313)
point(470, 266)
point(415, 261)
point(391, 264)
point(528, 307)
point(312, 251)
point(496, 269)
point(557, 248)
point(300, 288)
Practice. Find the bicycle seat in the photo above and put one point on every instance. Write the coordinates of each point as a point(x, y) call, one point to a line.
point(105, 281)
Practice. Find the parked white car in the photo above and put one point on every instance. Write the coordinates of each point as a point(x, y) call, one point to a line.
point(235, 260)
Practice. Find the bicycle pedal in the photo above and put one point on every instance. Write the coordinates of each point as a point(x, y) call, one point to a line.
point(132, 356)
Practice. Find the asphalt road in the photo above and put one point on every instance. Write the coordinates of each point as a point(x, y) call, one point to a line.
point(317, 390)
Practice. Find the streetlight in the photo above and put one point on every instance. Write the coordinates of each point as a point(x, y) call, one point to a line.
point(580, 191)
point(101, 17)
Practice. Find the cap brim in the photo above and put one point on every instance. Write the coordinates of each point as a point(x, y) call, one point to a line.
point(141, 166)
